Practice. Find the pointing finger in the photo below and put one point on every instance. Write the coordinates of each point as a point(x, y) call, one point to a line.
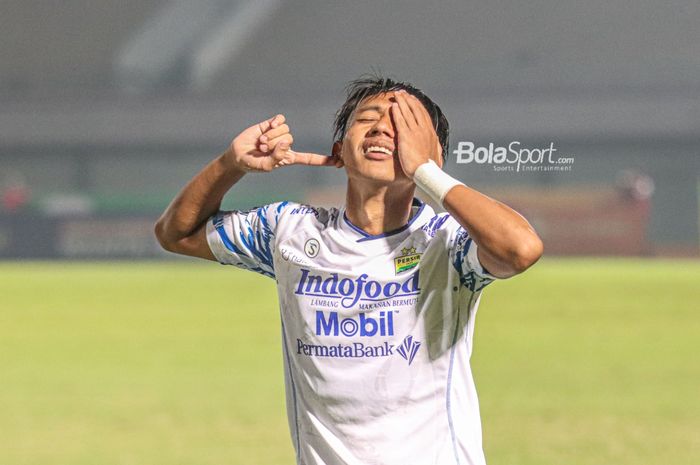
point(312, 159)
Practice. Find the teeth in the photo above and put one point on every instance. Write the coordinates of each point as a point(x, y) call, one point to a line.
point(375, 148)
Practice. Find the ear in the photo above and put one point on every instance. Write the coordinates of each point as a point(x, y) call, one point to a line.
point(336, 151)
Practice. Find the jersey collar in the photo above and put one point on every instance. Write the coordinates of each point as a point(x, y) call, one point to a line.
point(418, 210)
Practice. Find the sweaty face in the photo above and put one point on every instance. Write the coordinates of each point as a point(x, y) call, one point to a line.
point(369, 149)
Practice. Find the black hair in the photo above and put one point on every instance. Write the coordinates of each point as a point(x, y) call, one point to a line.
point(370, 85)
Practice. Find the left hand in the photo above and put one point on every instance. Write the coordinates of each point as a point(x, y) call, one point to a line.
point(417, 140)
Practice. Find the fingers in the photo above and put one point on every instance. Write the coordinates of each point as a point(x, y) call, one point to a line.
point(417, 110)
point(275, 141)
point(266, 144)
point(281, 155)
point(405, 109)
point(420, 112)
point(277, 131)
point(274, 132)
point(399, 119)
point(271, 123)
point(313, 159)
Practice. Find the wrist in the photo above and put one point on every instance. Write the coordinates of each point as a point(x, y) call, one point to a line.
point(231, 165)
point(232, 162)
point(434, 181)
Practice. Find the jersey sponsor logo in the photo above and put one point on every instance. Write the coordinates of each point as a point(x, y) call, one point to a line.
point(408, 349)
point(304, 210)
point(311, 248)
point(354, 350)
point(288, 255)
point(407, 260)
point(352, 291)
point(330, 324)
point(434, 225)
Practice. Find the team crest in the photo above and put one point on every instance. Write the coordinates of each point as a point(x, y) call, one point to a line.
point(407, 260)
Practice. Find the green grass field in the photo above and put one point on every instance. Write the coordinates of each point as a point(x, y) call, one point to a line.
point(577, 362)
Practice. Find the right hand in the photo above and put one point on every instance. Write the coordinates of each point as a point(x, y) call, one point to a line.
point(267, 145)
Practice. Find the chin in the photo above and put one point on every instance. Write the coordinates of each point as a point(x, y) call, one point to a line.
point(388, 177)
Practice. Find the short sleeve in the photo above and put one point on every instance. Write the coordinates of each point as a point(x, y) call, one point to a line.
point(463, 252)
point(246, 239)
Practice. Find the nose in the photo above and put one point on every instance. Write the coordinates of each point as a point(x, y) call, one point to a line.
point(383, 126)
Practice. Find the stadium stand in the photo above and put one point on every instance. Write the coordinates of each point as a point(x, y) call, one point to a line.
point(106, 108)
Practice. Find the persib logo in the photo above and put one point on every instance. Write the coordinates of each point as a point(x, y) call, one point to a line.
point(362, 325)
point(351, 291)
point(407, 260)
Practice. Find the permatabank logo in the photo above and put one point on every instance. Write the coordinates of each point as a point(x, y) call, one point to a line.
point(408, 349)
point(514, 157)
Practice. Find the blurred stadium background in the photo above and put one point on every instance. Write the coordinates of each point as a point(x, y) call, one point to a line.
point(108, 108)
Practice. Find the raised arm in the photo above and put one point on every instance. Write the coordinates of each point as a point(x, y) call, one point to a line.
point(262, 147)
point(507, 244)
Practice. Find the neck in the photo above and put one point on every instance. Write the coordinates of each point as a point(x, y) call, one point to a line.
point(379, 209)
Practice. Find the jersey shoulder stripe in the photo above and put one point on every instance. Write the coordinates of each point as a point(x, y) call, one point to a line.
point(246, 238)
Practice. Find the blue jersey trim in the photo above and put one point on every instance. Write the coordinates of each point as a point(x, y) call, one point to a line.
point(258, 241)
point(371, 237)
point(254, 234)
point(469, 278)
point(448, 403)
point(225, 239)
point(354, 228)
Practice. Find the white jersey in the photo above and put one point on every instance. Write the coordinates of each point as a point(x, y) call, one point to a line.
point(376, 330)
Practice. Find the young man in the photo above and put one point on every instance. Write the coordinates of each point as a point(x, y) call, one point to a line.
point(378, 297)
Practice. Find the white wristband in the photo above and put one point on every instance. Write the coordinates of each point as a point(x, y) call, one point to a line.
point(433, 181)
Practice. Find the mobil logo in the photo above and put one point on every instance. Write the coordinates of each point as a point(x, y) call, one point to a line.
point(332, 324)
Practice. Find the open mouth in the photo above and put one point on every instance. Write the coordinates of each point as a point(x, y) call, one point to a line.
point(377, 152)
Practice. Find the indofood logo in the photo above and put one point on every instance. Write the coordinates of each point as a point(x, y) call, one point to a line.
point(352, 291)
point(362, 325)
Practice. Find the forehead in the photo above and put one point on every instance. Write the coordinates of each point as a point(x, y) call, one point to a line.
point(378, 102)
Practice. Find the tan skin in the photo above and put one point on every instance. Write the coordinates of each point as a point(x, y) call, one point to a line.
point(380, 187)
